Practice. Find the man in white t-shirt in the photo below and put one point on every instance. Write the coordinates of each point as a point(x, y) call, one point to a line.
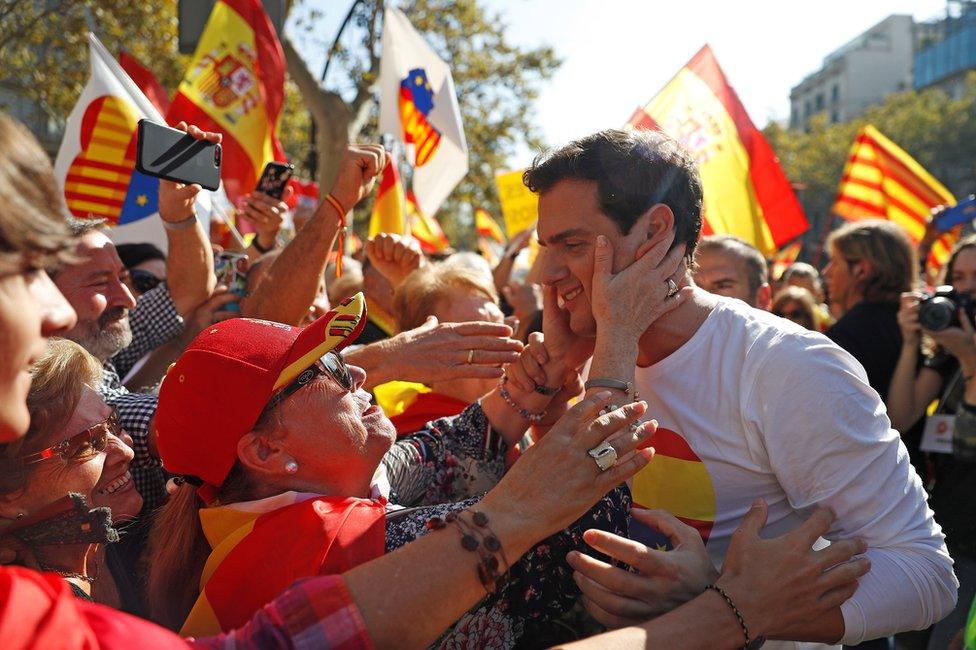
point(749, 405)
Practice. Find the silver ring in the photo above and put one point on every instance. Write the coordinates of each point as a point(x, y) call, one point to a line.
point(604, 455)
point(470, 356)
point(672, 288)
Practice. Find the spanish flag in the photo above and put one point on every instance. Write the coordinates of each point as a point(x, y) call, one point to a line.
point(882, 181)
point(261, 547)
point(236, 86)
point(784, 257)
point(390, 207)
point(746, 192)
point(487, 227)
point(425, 228)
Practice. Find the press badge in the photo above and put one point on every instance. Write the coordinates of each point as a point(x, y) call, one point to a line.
point(937, 437)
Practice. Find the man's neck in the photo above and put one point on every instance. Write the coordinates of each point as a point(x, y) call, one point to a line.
point(674, 329)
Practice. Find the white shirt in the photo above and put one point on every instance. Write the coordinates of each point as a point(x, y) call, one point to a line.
point(756, 406)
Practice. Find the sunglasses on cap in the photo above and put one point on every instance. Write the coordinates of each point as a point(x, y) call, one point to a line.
point(330, 364)
point(81, 446)
point(143, 281)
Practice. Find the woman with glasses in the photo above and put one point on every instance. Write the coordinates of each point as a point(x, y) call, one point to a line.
point(290, 471)
point(74, 445)
point(797, 305)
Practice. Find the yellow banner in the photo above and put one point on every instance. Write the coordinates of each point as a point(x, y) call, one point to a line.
point(520, 207)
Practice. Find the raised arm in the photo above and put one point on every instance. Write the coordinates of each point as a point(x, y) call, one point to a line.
point(292, 281)
point(189, 261)
point(911, 390)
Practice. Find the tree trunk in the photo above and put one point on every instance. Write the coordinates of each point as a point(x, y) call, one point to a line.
point(330, 113)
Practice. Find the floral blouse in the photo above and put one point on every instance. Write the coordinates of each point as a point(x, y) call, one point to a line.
point(448, 467)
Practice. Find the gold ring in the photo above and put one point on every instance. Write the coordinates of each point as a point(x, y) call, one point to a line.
point(470, 357)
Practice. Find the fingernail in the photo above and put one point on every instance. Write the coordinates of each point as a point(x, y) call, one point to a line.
point(757, 503)
point(601, 241)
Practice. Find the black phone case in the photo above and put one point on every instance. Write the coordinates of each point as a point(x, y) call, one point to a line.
point(167, 153)
point(274, 178)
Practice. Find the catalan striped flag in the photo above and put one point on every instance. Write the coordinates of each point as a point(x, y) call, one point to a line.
point(882, 181)
point(236, 86)
point(261, 547)
point(425, 228)
point(746, 192)
point(390, 207)
point(487, 227)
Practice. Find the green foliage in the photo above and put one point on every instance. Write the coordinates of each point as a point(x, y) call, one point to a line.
point(44, 46)
point(935, 129)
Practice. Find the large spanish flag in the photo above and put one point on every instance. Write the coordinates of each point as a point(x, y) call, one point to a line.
point(236, 86)
point(390, 207)
point(882, 181)
point(746, 192)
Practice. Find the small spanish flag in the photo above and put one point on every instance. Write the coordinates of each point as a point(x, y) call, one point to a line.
point(389, 209)
point(487, 227)
point(882, 181)
point(425, 228)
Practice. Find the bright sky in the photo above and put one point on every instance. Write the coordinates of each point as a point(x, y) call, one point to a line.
point(618, 53)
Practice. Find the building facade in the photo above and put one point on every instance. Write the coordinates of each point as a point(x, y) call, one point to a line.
point(858, 75)
point(948, 52)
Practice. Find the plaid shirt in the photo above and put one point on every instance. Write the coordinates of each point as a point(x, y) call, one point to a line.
point(313, 613)
point(153, 322)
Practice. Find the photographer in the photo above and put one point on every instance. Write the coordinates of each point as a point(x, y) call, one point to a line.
point(945, 373)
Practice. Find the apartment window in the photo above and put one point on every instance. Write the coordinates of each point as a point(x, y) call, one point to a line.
point(806, 109)
point(835, 93)
point(834, 116)
point(819, 102)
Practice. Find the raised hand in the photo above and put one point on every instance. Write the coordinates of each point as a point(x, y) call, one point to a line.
point(664, 580)
point(360, 166)
point(911, 331)
point(266, 214)
point(176, 199)
point(395, 256)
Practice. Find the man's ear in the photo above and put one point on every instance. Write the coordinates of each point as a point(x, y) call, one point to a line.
point(655, 224)
point(764, 297)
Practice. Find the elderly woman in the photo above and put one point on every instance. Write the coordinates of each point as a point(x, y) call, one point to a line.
point(74, 444)
point(453, 294)
point(288, 470)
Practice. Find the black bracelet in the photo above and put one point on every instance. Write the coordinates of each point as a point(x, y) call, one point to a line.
point(750, 644)
point(259, 248)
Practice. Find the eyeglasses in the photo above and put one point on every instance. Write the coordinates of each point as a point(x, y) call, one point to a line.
point(81, 446)
point(331, 364)
point(143, 281)
point(795, 314)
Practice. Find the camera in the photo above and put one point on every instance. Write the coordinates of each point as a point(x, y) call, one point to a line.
point(940, 310)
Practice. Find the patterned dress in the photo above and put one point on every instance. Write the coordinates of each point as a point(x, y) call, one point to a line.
point(448, 467)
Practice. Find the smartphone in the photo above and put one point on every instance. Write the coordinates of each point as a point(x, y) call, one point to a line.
point(231, 269)
point(171, 154)
point(274, 178)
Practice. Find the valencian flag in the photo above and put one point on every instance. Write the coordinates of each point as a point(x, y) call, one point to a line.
point(485, 226)
point(389, 208)
point(146, 80)
point(418, 105)
point(236, 86)
point(746, 192)
point(96, 161)
point(881, 181)
point(425, 228)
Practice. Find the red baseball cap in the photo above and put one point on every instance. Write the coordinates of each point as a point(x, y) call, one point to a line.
point(217, 389)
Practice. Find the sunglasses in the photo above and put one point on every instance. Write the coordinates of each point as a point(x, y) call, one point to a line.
point(330, 364)
point(82, 446)
point(143, 281)
point(795, 314)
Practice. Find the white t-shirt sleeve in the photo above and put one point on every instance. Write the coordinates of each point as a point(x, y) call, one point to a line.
point(830, 442)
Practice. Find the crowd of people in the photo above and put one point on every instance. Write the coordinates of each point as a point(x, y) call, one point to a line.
point(643, 441)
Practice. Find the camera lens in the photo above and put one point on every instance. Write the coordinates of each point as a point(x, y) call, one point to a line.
point(936, 314)
point(217, 156)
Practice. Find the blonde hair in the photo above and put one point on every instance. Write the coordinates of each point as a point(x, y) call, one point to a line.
point(58, 378)
point(886, 246)
point(419, 295)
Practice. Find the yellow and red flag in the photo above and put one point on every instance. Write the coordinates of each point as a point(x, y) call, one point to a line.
point(390, 207)
point(236, 86)
point(745, 190)
point(146, 80)
point(425, 228)
point(784, 257)
point(881, 181)
point(487, 227)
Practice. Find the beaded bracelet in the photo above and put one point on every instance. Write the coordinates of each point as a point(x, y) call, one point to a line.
point(341, 211)
point(751, 643)
point(534, 418)
point(485, 545)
